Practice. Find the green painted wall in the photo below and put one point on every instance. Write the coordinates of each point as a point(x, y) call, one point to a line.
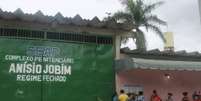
point(91, 76)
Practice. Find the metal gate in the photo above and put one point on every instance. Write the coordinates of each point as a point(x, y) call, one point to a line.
point(34, 70)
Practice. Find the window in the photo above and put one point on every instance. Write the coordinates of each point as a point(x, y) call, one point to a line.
point(133, 88)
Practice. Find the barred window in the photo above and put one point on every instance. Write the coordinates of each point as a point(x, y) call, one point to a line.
point(75, 37)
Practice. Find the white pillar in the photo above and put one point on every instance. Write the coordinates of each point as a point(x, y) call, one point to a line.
point(117, 46)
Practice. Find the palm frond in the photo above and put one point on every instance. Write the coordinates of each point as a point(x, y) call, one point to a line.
point(131, 6)
point(155, 19)
point(135, 9)
point(122, 16)
point(151, 7)
point(157, 30)
point(125, 38)
point(138, 14)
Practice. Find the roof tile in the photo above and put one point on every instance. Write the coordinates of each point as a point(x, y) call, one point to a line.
point(39, 17)
point(158, 52)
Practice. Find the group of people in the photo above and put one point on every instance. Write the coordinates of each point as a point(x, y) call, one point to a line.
point(128, 97)
point(154, 97)
point(196, 96)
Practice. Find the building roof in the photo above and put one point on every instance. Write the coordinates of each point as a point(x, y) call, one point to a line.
point(59, 19)
point(142, 63)
point(169, 55)
point(155, 59)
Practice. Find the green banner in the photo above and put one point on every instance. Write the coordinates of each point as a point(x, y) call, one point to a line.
point(33, 70)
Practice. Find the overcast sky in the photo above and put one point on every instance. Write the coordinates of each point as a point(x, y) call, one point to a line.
point(182, 16)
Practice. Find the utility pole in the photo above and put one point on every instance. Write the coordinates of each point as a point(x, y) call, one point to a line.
point(199, 3)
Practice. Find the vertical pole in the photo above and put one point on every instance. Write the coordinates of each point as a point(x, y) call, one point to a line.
point(117, 46)
point(199, 3)
point(45, 35)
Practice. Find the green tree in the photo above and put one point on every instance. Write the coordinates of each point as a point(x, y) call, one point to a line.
point(139, 15)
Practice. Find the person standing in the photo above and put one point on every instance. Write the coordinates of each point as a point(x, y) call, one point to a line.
point(155, 96)
point(194, 96)
point(140, 96)
point(199, 95)
point(123, 96)
point(115, 97)
point(131, 97)
point(134, 96)
point(169, 98)
point(185, 96)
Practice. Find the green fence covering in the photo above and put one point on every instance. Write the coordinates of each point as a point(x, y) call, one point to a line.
point(33, 70)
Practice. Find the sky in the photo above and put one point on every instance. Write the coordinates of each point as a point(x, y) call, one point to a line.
point(182, 17)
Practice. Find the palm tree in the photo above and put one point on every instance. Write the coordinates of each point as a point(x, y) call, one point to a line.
point(138, 15)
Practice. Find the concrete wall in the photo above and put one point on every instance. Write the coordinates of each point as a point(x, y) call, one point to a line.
point(179, 82)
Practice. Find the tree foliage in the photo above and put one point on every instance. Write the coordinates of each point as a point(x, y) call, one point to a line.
point(139, 15)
